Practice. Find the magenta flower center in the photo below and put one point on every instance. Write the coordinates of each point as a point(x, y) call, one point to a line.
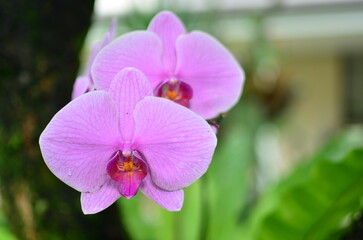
point(128, 171)
point(177, 91)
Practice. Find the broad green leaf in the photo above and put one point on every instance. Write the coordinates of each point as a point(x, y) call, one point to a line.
point(228, 180)
point(317, 200)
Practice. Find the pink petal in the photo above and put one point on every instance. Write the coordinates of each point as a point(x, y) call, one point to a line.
point(95, 49)
point(101, 199)
point(129, 183)
point(139, 49)
point(109, 36)
point(214, 75)
point(172, 201)
point(81, 86)
point(168, 27)
point(80, 140)
point(127, 88)
point(177, 144)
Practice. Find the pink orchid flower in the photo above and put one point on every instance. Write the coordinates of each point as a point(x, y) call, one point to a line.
point(110, 144)
point(85, 83)
point(192, 69)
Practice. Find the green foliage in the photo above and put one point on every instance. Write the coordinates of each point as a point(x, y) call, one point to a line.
point(4, 230)
point(229, 175)
point(318, 200)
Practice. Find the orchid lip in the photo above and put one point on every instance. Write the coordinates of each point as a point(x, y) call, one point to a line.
point(175, 90)
point(128, 171)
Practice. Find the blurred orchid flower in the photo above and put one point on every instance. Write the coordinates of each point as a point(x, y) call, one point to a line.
point(192, 69)
point(110, 144)
point(85, 83)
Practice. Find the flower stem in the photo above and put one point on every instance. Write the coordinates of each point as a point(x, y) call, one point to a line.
point(204, 207)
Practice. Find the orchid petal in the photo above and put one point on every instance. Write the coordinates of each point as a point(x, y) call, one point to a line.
point(139, 49)
point(80, 139)
point(101, 199)
point(177, 144)
point(214, 75)
point(80, 86)
point(109, 36)
point(172, 201)
point(127, 88)
point(168, 27)
point(94, 51)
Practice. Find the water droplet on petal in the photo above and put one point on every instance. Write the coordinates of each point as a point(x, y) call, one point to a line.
point(69, 173)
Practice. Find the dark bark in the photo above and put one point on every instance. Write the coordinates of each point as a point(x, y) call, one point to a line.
point(40, 43)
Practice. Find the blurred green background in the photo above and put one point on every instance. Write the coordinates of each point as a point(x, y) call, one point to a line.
point(289, 162)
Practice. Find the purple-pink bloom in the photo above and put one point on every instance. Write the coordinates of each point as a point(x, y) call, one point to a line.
point(192, 69)
point(110, 144)
point(85, 83)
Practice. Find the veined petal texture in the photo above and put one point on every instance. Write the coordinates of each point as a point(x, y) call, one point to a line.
point(139, 49)
point(177, 143)
point(101, 199)
point(170, 200)
point(80, 139)
point(127, 88)
point(168, 27)
point(214, 75)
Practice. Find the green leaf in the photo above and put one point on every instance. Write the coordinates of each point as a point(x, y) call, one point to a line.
point(228, 179)
point(318, 199)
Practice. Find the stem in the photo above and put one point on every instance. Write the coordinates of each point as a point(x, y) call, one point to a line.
point(204, 208)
